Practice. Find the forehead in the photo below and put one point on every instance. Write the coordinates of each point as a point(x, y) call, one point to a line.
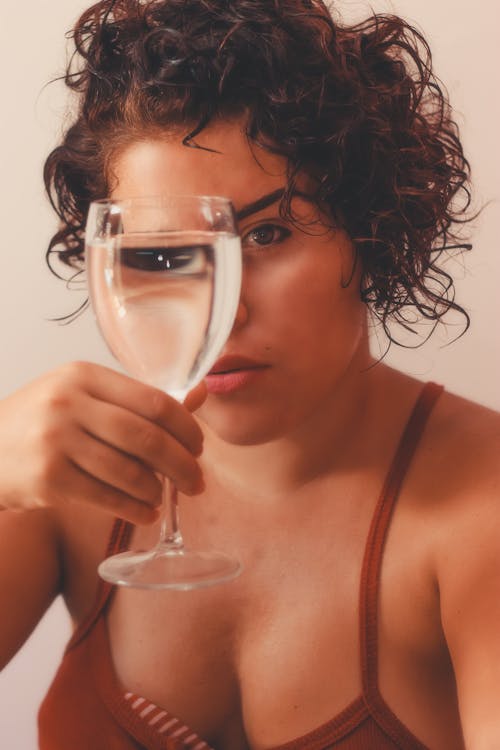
point(232, 167)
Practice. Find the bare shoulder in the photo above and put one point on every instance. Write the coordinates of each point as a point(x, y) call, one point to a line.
point(468, 417)
point(51, 551)
point(30, 574)
point(455, 483)
point(84, 533)
point(461, 449)
point(458, 480)
point(461, 473)
point(43, 553)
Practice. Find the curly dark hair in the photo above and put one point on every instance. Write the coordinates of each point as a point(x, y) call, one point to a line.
point(357, 108)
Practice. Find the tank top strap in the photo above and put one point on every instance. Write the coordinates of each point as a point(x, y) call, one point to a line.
point(372, 562)
point(118, 541)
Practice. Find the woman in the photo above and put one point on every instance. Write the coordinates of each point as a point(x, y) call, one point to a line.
point(363, 505)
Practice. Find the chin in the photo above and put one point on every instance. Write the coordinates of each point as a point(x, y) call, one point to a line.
point(235, 427)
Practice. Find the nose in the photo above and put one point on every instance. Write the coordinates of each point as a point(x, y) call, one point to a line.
point(241, 315)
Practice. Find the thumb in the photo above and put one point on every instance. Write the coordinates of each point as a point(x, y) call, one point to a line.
point(196, 397)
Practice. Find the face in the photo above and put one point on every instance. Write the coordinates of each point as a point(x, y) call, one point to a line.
point(300, 331)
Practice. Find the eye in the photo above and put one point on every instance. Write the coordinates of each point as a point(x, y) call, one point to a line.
point(188, 259)
point(266, 234)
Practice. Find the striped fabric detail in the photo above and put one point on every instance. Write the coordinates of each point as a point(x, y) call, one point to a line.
point(164, 723)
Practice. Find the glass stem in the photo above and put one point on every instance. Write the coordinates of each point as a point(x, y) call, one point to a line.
point(170, 535)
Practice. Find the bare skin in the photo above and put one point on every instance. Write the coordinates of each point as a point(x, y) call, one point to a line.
point(292, 468)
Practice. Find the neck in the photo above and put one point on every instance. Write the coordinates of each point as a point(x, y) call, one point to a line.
point(337, 438)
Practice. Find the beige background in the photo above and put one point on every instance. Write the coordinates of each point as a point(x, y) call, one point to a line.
point(33, 50)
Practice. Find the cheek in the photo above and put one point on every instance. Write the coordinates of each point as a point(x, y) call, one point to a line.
point(308, 305)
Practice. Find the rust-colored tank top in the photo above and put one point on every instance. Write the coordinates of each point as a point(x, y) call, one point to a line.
point(87, 709)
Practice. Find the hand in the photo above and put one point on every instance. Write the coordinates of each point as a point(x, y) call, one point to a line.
point(86, 433)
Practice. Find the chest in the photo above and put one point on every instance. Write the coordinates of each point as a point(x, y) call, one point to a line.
point(265, 658)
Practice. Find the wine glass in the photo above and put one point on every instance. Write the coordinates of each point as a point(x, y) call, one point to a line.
point(164, 275)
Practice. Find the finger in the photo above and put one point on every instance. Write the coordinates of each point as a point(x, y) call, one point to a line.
point(146, 401)
point(113, 467)
point(76, 486)
point(196, 397)
point(143, 440)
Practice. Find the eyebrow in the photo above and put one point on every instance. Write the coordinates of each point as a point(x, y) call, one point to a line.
point(268, 200)
point(258, 205)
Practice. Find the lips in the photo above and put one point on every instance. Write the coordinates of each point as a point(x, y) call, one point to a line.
point(232, 373)
point(232, 362)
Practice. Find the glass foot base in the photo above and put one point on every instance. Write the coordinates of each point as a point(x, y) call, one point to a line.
point(179, 569)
